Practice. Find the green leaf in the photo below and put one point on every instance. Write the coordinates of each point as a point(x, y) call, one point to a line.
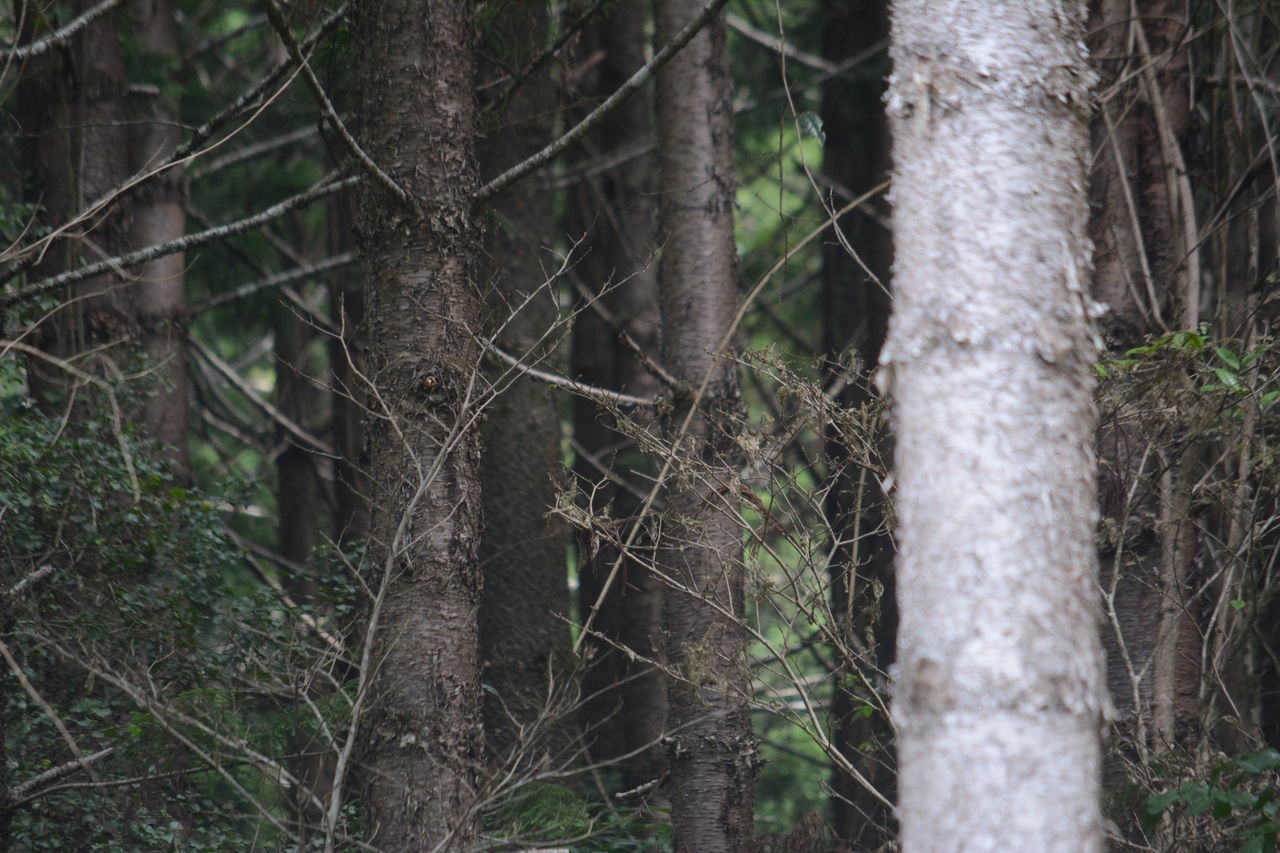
point(811, 125)
point(1253, 845)
point(1268, 398)
point(1157, 805)
point(1259, 762)
point(1227, 377)
point(1237, 604)
point(1232, 360)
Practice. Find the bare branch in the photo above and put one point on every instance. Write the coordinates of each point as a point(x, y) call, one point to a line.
point(36, 48)
point(291, 45)
point(29, 789)
point(230, 374)
point(30, 255)
point(255, 150)
point(776, 44)
point(182, 244)
point(602, 394)
point(30, 689)
point(30, 580)
point(625, 91)
point(279, 279)
point(625, 552)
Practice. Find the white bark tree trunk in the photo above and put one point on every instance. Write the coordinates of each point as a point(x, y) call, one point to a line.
point(999, 699)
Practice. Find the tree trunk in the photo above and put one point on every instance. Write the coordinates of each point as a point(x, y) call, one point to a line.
point(711, 748)
point(1141, 273)
point(615, 212)
point(75, 147)
point(999, 698)
point(421, 735)
point(524, 638)
point(347, 364)
point(158, 214)
point(299, 509)
point(855, 315)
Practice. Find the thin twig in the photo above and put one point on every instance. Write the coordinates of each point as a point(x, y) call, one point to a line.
point(255, 150)
point(99, 383)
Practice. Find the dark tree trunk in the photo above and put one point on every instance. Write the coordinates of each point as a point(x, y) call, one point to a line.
point(613, 209)
point(711, 747)
point(1142, 272)
point(71, 104)
point(524, 638)
point(347, 363)
point(299, 509)
point(158, 215)
point(855, 316)
point(422, 734)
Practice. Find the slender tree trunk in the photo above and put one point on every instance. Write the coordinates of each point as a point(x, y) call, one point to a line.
point(299, 511)
point(711, 747)
point(421, 734)
point(524, 638)
point(855, 316)
point(615, 212)
point(999, 698)
point(158, 214)
point(1141, 272)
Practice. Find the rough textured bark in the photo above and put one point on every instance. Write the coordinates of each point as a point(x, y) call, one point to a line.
point(614, 209)
point(75, 146)
point(855, 316)
point(158, 214)
point(524, 638)
point(711, 747)
point(999, 698)
point(1140, 272)
point(421, 736)
point(347, 363)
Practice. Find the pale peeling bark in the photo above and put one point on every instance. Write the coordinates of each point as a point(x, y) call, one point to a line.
point(711, 747)
point(421, 736)
point(999, 699)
